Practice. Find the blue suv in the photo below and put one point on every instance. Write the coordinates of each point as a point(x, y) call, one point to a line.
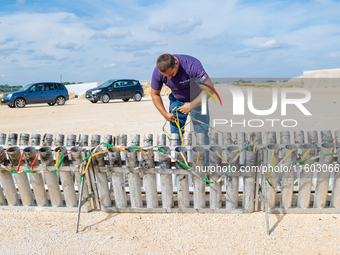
point(43, 92)
point(116, 89)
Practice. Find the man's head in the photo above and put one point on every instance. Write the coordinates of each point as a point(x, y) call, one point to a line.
point(167, 65)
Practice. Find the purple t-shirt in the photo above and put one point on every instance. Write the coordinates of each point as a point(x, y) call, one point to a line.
point(189, 68)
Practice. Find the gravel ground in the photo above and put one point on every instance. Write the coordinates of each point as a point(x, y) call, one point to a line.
point(109, 233)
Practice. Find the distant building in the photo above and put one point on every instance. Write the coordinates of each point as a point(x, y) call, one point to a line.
point(326, 78)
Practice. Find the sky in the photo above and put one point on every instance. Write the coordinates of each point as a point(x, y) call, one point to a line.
point(88, 41)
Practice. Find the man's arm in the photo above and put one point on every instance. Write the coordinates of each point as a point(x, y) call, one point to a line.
point(187, 107)
point(158, 102)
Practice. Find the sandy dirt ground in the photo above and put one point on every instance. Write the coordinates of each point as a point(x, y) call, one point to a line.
point(24, 232)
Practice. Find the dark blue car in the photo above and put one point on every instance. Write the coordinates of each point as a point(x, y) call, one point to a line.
point(116, 89)
point(43, 92)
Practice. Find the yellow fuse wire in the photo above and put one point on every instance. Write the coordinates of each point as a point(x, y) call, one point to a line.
point(56, 161)
point(271, 165)
point(304, 155)
point(222, 158)
point(185, 161)
point(89, 160)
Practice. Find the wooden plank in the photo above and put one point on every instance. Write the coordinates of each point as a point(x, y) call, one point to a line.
point(92, 186)
point(44, 209)
point(305, 211)
point(160, 171)
point(170, 210)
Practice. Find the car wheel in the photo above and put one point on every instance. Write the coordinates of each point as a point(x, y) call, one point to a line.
point(11, 106)
point(51, 104)
point(94, 101)
point(137, 96)
point(126, 99)
point(60, 101)
point(20, 103)
point(105, 98)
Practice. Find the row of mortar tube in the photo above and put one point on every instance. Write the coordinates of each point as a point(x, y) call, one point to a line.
point(47, 140)
point(288, 177)
point(83, 140)
point(71, 140)
point(36, 178)
point(131, 160)
point(166, 179)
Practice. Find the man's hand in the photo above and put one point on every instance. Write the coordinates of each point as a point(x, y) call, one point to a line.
point(185, 108)
point(169, 117)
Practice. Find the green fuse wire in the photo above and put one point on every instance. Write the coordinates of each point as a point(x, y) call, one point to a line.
point(107, 144)
point(181, 163)
point(299, 161)
point(328, 154)
point(206, 180)
point(86, 157)
point(161, 150)
point(245, 147)
point(61, 160)
point(134, 147)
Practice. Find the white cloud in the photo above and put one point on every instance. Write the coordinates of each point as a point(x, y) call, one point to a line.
point(254, 41)
point(178, 28)
point(242, 54)
point(68, 45)
point(213, 40)
point(159, 27)
point(7, 49)
point(111, 33)
point(271, 44)
point(141, 54)
point(335, 54)
point(234, 35)
point(3, 75)
point(109, 66)
point(46, 57)
point(134, 46)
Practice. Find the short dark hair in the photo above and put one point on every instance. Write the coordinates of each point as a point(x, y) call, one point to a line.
point(165, 61)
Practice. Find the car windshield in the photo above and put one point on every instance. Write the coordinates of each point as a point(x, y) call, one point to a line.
point(106, 84)
point(25, 87)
